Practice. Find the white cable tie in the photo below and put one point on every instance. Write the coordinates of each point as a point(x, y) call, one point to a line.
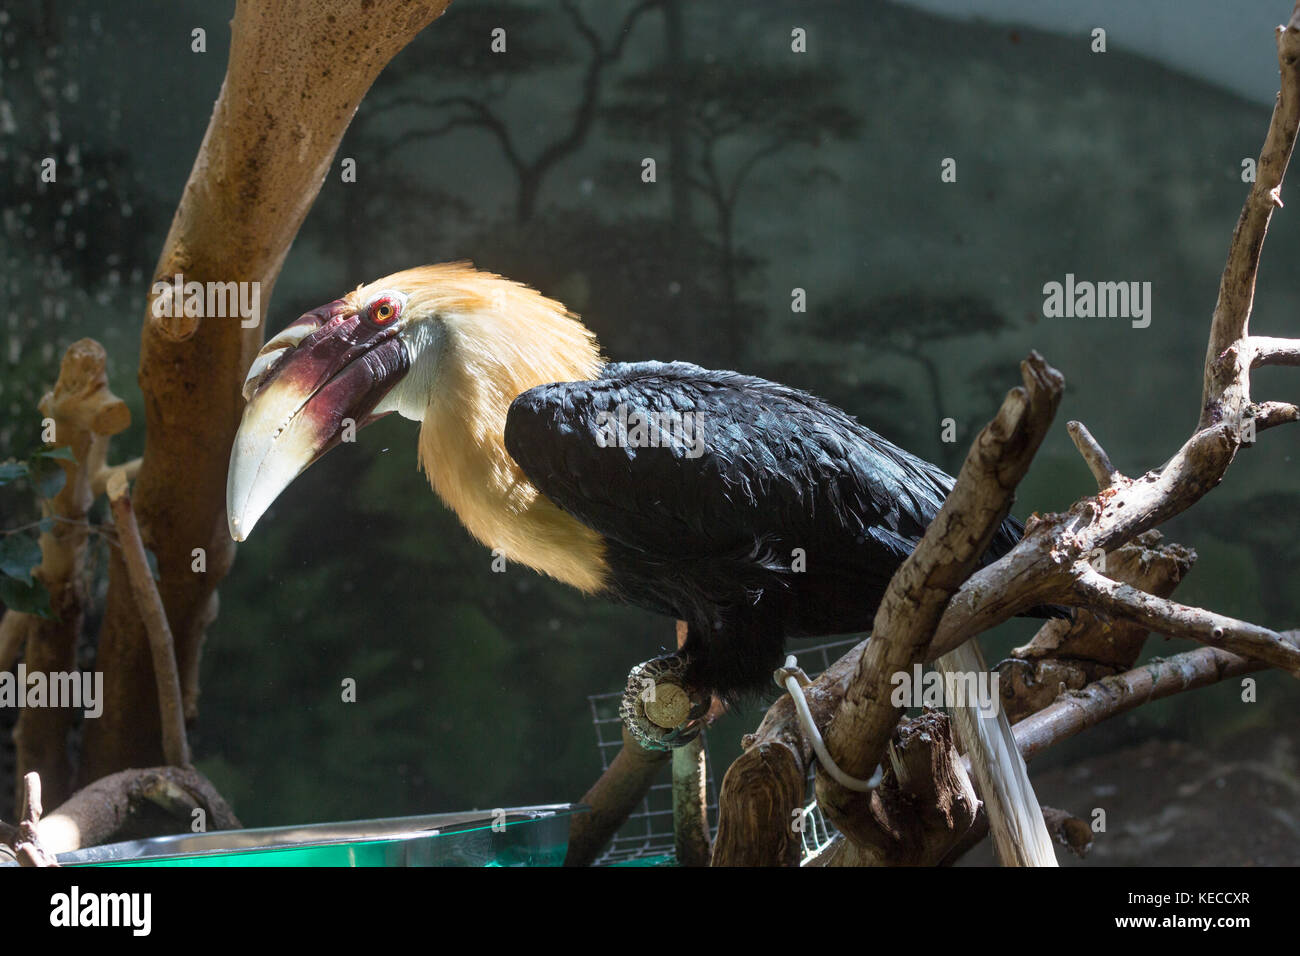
point(819, 746)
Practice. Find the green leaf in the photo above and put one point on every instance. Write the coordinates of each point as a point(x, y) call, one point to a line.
point(12, 470)
point(152, 560)
point(19, 553)
point(48, 476)
point(28, 598)
point(62, 453)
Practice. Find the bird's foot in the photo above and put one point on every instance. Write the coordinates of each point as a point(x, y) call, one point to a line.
point(658, 708)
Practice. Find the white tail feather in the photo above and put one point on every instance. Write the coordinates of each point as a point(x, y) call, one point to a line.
point(1015, 819)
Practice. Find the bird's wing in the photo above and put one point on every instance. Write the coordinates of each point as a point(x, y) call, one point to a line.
point(751, 466)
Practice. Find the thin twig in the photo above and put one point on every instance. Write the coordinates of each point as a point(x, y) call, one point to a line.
point(1227, 374)
point(1111, 696)
point(1166, 616)
point(1092, 452)
point(1265, 350)
point(176, 747)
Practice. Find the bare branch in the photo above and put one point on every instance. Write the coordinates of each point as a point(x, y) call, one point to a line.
point(920, 589)
point(612, 798)
point(1070, 654)
point(86, 414)
point(1179, 620)
point(1270, 414)
point(1227, 383)
point(24, 839)
point(1037, 570)
point(99, 812)
point(1272, 351)
point(1161, 677)
point(1092, 452)
point(175, 746)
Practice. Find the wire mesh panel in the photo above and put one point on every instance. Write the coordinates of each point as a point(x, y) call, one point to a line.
point(648, 831)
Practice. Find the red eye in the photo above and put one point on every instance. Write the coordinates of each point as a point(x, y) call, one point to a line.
point(383, 311)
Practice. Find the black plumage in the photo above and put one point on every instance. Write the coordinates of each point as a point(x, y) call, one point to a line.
point(712, 533)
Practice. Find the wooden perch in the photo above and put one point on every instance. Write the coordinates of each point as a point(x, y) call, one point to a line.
point(268, 147)
point(763, 789)
point(1178, 620)
point(924, 805)
point(1069, 654)
point(1079, 710)
point(86, 414)
point(126, 805)
point(915, 599)
point(690, 805)
point(1092, 452)
point(690, 794)
point(612, 798)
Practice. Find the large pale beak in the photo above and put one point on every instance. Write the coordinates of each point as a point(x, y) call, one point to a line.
point(323, 373)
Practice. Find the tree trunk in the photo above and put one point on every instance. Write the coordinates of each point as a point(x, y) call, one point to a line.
point(268, 147)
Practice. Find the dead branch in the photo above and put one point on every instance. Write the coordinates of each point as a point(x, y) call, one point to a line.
point(763, 789)
point(1092, 452)
point(1043, 567)
point(1271, 351)
point(1227, 365)
point(175, 746)
point(919, 591)
point(23, 840)
point(1069, 654)
point(86, 414)
point(1160, 677)
point(924, 804)
point(1076, 711)
point(1178, 620)
point(612, 798)
point(1269, 414)
point(136, 803)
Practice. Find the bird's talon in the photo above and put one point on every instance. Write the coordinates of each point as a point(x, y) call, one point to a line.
point(658, 709)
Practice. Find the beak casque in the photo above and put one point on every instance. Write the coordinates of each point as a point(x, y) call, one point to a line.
point(325, 372)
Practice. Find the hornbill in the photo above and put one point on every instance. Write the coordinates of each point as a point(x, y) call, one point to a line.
point(750, 510)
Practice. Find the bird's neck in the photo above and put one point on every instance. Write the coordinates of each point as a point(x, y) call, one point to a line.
point(462, 449)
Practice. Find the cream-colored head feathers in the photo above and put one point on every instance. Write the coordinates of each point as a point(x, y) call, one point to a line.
point(498, 339)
